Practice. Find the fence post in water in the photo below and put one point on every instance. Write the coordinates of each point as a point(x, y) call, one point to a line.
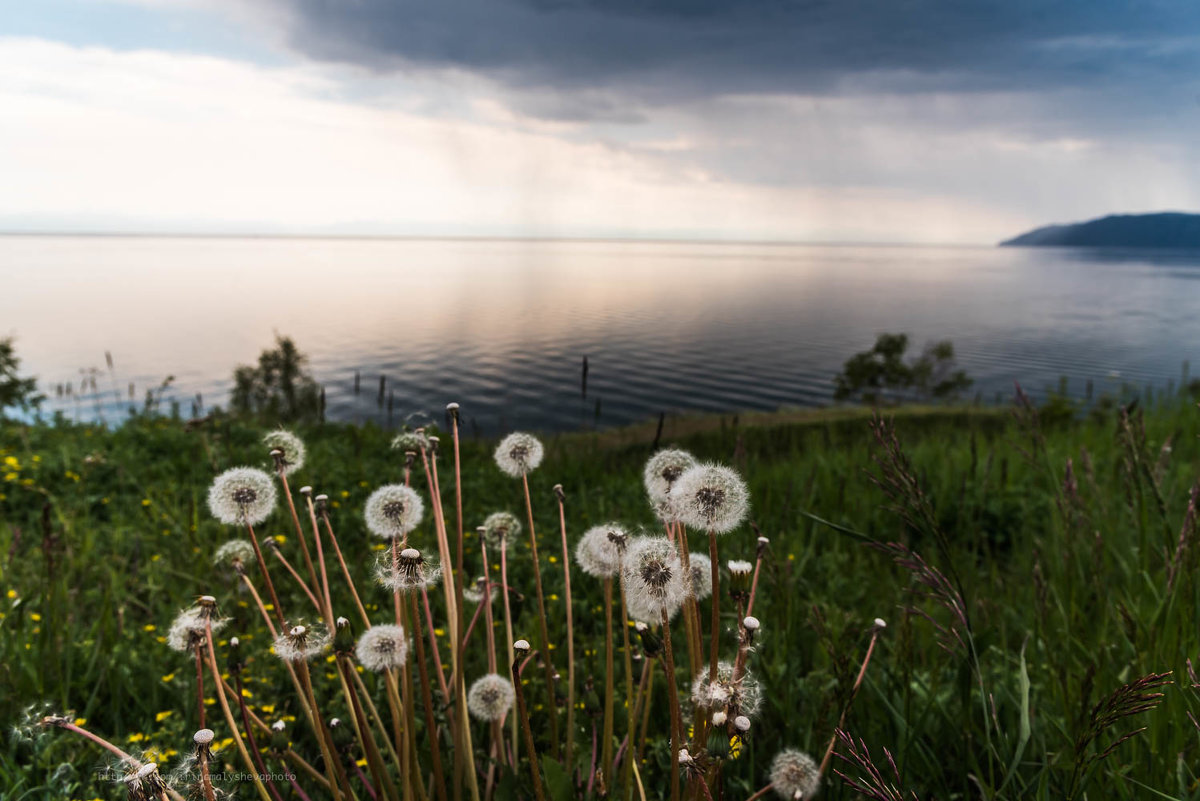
point(321, 405)
point(382, 389)
point(662, 416)
point(583, 386)
point(356, 381)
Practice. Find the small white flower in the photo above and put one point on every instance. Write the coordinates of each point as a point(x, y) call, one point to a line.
point(599, 550)
point(795, 775)
point(242, 496)
point(382, 648)
point(518, 454)
point(291, 446)
point(490, 697)
point(501, 528)
point(393, 511)
point(663, 469)
point(711, 497)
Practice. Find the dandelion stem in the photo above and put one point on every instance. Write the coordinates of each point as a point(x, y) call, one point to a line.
point(363, 726)
point(237, 737)
point(63, 723)
point(262, 564)
point(523, 714)
point(862, 672)
point(760, 793)
point(607, 756)
point(562, 519)
point(303, 585)
point(433, 645)
point(673, 700)
point(287, 493)
point(508, 633)
point(487, 590)
point(629, 699)
point(200, 686)
point(333, 768)
point(205, 777)
point(254, 752)
point(715, 634)
point(754, 582)
point(358, 604)
point(543, 631)
point(327, 609)
point(430, 722)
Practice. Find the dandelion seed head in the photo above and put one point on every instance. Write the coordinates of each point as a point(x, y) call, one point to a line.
point(189, 628)
point(521, 645)
point(393, 511)
point(739, 567)
point(242, 496)
point(711, 497)
point(414, 441)
point(663, 469)
point(598, 552)
point(741, 723)
point(411, 571)
point(234, 553)
point(880, 623)
point(741, 697)
point(518, 454)
point(382, 648)
point(751, 623)
point(794, 775)
point(278, 725)
point(291, 447)
point(475, 592)
point(654, 579)
point(490, 697)
point(301, 644)
point(701, 567)
point(500, 528)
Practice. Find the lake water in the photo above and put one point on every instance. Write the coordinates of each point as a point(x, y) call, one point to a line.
point(502, 326)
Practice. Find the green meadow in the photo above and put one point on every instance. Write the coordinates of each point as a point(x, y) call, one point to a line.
point(1033, 567)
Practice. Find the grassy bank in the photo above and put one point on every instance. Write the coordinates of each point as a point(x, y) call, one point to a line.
point(1062, 538)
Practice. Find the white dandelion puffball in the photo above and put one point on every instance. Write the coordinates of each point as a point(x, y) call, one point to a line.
point(701, 567)
point(189, 629)
point(490, 697)
point(710, 497)
point(518, 454)
point(301, 644)
point(663, 469)
point(741, 697)
point(393, 511)
point(233, 553)
point(410, 572)
point(654, 580)
point(598, 552)
point(292, 447)
point(500, 528)
point(242, 496)
point(477, 592)
point(382, 648)
point(794, 775)
point(414, 441)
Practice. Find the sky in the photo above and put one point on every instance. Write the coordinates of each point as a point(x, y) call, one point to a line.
point(922, 121)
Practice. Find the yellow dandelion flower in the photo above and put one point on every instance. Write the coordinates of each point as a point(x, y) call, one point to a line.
point(168, 677)
point(161, 716)
point(149, 627)
point(35, 617)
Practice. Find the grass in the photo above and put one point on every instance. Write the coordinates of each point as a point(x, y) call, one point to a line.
point(1070, 586)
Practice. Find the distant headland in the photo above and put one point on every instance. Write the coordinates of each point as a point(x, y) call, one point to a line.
point(1162, 230)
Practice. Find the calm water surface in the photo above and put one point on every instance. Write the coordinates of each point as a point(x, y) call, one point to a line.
point(502, 326)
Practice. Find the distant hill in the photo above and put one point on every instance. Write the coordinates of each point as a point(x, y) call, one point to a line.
point(1164, 230)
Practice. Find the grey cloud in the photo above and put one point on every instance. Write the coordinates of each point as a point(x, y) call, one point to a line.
point(664, 50)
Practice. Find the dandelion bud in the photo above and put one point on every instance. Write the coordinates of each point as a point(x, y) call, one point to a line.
point(521, 646)
point(343, 736)
point(739, 579)
point(559, 493)
point(233, 659)
point(718, 747)
point(322, 504)
point(761, 550)
point(651, 644)
point(751, 624)
point(741, 723)
point(880, 623)
point(719, 717)
point(279, 738)
point(451, 413)
point(343, 637)
point(306, 490)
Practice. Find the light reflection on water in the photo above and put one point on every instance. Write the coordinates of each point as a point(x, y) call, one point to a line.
point(502, 326)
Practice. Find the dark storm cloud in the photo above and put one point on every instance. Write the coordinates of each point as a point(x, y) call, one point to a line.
point(678, 49)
